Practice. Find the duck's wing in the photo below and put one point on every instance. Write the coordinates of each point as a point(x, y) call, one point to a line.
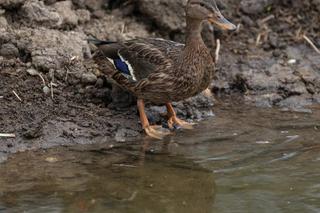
point(170, 48)
point(139, 58)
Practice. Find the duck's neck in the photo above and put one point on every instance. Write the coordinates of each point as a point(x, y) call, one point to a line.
point(193, 32)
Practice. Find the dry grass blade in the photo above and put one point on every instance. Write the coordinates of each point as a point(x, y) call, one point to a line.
point(124, 165)
point(14, 92)
point(51, 89)
point(311, 43)
point(258, 39)
point(43, 81)
point(217, 53)
point(6, 135)
point(265, 20)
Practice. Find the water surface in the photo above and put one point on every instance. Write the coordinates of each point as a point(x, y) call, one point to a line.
point(242, 160)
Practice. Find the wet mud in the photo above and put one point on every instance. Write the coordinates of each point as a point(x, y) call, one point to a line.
point(51, 94)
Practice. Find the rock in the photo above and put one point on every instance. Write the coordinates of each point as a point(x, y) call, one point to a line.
point(99, 83)
point(32, 72)
point(33, 131)
point(263, 100)
point(51, 160)
point(3, 157)
point(48, 2)
point(308, 74)
point(296, 103)
point(36, 12)
point(196, 108)
point(297, 88)
point(310, 78)
point(111, 27)
point(102, 94)
point(316, 98)
point(90, 4)
point(46, 90)
point(52, 49)
point(276, 53)
point(99, 14)
point(83, 16)
point(282, 74)
point(3, 23)
point(167, 14)
point(294, 53)
point(11, 3)
point(273, 40)
point(247, 21)
point(316, 3)
point(123, 134)
point(9, 50)
point(155, 114)
point(69, 17)
point(254, 7)
point(121, 98)
point(89, 78)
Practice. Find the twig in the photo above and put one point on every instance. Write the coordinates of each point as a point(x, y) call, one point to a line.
point(124, 165)
point(6, 135)
point(266, 19)
point(258, 39)
point(217, 50)
point(43, 81)
point(51, 88)
point(311, 43)
point(238, 28)
point(123, 28)
point(66, 77)
point(14, 92)
point(298, 34)
point(132, 197)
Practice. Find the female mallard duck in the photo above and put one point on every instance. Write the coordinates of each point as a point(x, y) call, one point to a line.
point(162, 71)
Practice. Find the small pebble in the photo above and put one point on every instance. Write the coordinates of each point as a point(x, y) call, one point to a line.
point(46, 90)
point(99, 83)
point(89, 78)
point(276, 53)
point(292, 61)
point(32, 72)
point(51, 159)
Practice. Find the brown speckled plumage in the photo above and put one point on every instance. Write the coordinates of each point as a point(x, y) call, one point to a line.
point(165, 71)
point(162, 71)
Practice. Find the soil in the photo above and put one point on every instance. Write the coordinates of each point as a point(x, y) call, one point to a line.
point(63, 99)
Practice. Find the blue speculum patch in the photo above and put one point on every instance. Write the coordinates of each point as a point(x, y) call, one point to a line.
point(121, 66)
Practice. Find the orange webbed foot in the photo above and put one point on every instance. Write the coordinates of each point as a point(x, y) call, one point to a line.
point(157, 132)
point(174, 123)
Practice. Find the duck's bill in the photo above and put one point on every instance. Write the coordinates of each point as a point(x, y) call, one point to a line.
point(223, 23)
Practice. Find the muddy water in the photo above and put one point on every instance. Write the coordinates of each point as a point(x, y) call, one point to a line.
point(242, 160)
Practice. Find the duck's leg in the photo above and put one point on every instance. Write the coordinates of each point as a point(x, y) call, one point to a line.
point(153, 131)
point(173, 120)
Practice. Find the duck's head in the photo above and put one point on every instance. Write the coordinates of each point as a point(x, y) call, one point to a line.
point(207, 10)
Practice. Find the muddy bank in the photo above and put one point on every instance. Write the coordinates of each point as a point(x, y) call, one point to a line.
point(44, 59)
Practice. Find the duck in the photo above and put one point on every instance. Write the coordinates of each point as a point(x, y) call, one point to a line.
point(162, 71)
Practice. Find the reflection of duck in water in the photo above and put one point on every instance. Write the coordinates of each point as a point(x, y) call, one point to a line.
point(162, 71)
point(160, 183)
point(92, 182)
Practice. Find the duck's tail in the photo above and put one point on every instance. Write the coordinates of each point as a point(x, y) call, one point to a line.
point(106, 65)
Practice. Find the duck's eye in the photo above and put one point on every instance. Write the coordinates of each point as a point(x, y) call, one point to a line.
point(202, 5)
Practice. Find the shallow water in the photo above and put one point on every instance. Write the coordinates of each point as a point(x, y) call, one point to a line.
point(242, 160)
